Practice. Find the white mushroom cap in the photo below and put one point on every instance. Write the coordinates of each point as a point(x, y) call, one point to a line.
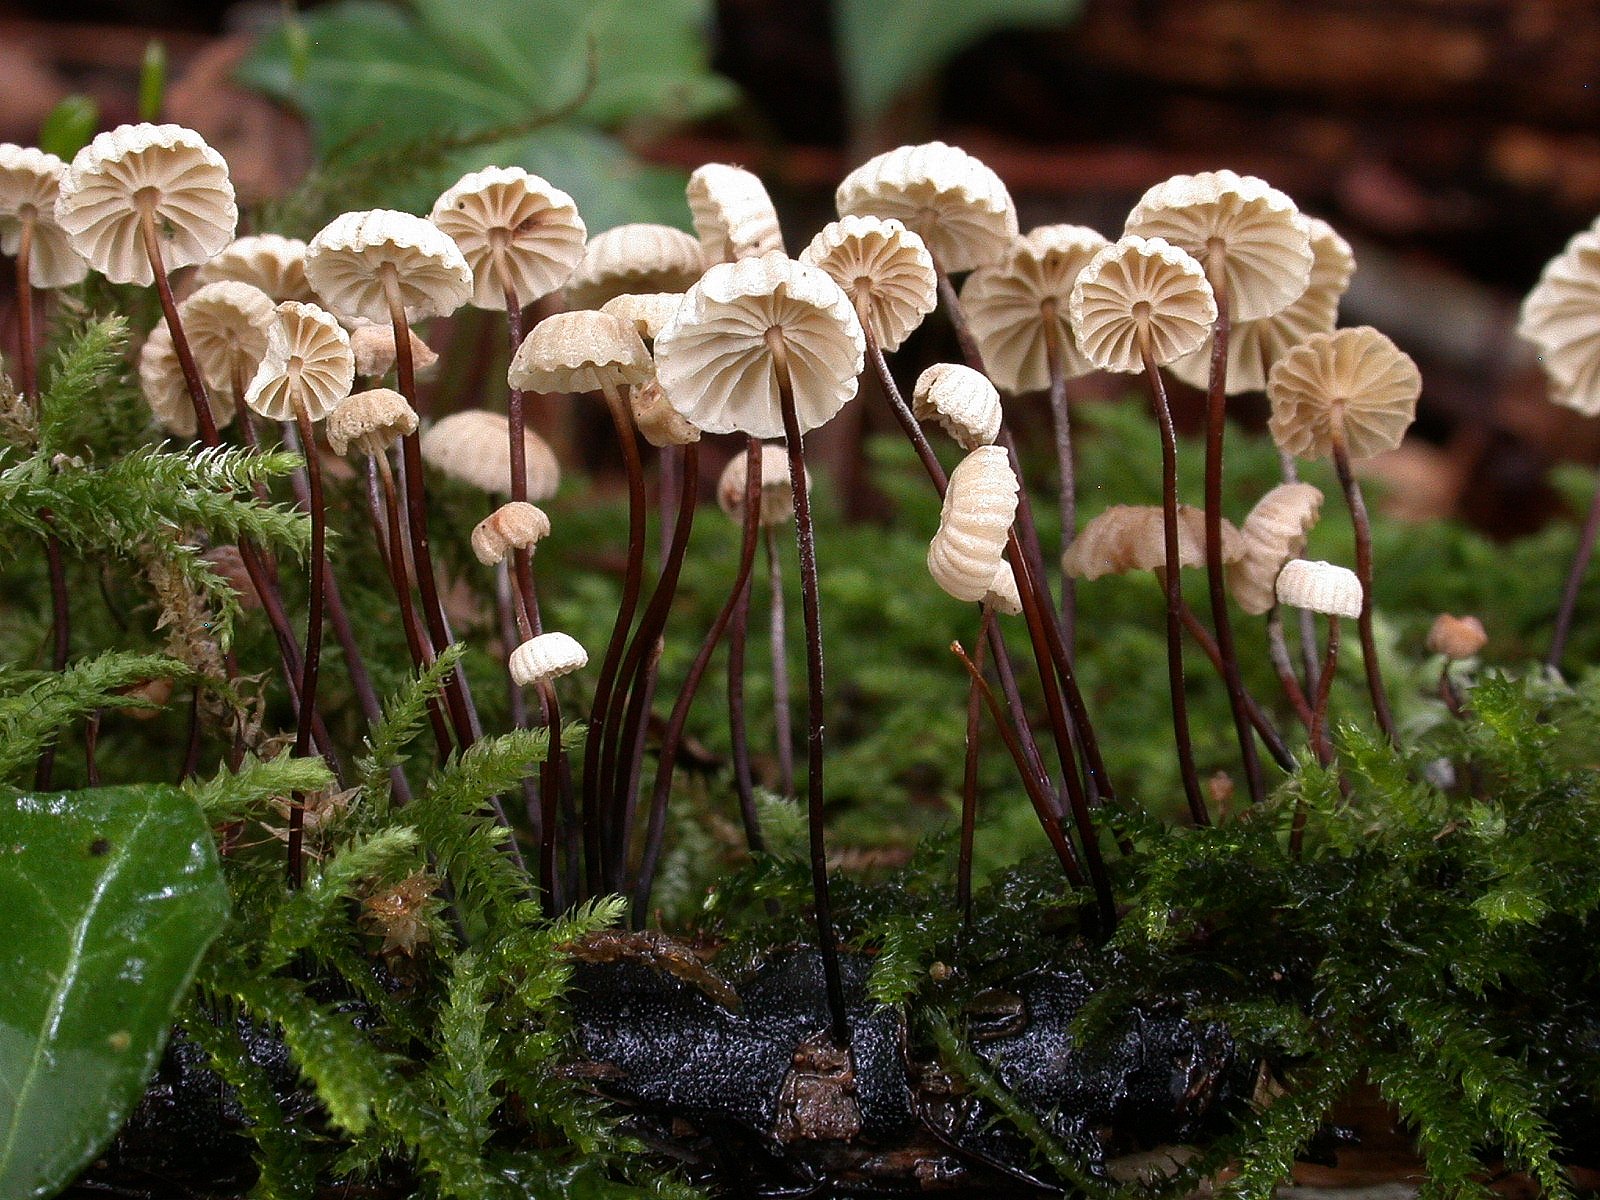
point(167, 393)
point(580, 351)
point(1132, 537)
point(228, 324)
point(1558, 317)
point(956, 204)
point(1266, 248)
point(546, 657)
point(474, 446)
point(374, 347)
point(347, 260)
point(1354, 378)
point(1003, 595)
point(884, 262)
point(733, 215)
point(961, 401)
point(30, 181)
point(777, 497)
point(514, 526)
point(184, 180)
point(308, 360)
point(1140, 287)
point(1275, 531)
point(647, 312)
point(276, 265)
point(1321, 587)
point(1005, 306)
point(656, 419)
point(980, 504)
point(717, 367)
point(634, 258)
point(537, 225)
point(369, 422)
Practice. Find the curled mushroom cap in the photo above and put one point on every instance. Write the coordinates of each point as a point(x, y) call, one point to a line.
point(961, 401)
point(1355, 381)
point(1131, 537)
point(166, 168)
point(348, 260)
point(165, 390)
point(777, 498)
point(1017, 304)
point(656, 419)
point(374, 348)
point(514, 526)
point(228, 324)
point(1255, 346)
point(308, 360)
point(716, 362)
point(1457, 637)
point(1265, 247)
point(884, 268)
point(1321, 587)
point(30, 181)
point(276, 265)
point(1003, 595)
point(1559, 318)
point(980, 504)
point(956, 204)
point(511, 225)
point(580, 351)
point(733, 215)
point(1139, 289)
point(474, 446)
point(647, 312)
point(1275, 531)
point(369, 422)
point(546, 657)
point(634, 258)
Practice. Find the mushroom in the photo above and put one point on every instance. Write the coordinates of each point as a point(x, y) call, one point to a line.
point(162, 382)
point(1335, 592)
point(656, 419)
point(634, 258)
point(369, 422)
point(275, 264)
point(538, 662)
point(884, 268)
point(960, 401)
point(647, 312)
point(229, 325)
point(521, 236)
point(733, 215)
point(374, 348)
point(980, 505)
point(1454, 639)
point(470, 446)
point(30, 181)
point(1275, 531)
point(777, 499)
point(514, 526)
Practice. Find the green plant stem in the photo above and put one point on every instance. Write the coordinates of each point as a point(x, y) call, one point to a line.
point(1363, 531)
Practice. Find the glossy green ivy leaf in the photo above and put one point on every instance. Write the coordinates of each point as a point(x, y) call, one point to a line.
point(108, 898)
point(885, 46)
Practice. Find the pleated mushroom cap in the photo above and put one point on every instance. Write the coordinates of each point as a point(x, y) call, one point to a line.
point(517, 525)
point(882, 266)
point(656, 420)
point(1254, 347)
point(167, 167)
point(474, 447)
point(732, 213)
point(980, 504)
point(1014, 305)
point(634, 258)
point(1140, 287)
point(953, 202)
point(165, 391)
point(228, 324)
point(1275, 531)
point(308, 359)
point(348, 259)
point(580, 351)
point(369, 422)
point(647, 312)
point(1131, 537)
point(777, 497)
point(961, 401)
point(276, 265)
point(546, 657)
point(1561, 317)
point(1003, 595)
point(1266, 247)
point(1355, 379)
point(1321, 587)
point(536, 226)
point(718, 369)
point(30, 181)
point(374, 347)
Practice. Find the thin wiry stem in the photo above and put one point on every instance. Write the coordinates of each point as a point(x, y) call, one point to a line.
point(1363, 531)
point(778, 645)
point(1319, 738)
point(1258, 716)
point(521, 557)
point(1055, 360)
point(1569, 594)
point(313, 659)
point(969, 775)
point(1307, 619)
point(738, 730)
point(549, 795)
point(1278, 653)
point(514, 628)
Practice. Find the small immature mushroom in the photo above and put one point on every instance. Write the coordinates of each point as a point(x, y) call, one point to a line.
point(514, 526)
point(961, 401)
point(1456, 638)
point(777, 500)
point(538, 662)
point(369, 422)
point(374, 348)
point(733, 215)
point(647, 312)
point(471, 446)
point(1275, 531)
point(653, 415)
point(520, 235)
point(580, 351)
point(634, 258)
point(956, 204)
point(884, 268)
point(546, 657)
point(161, 380)
point(980, 504)
point(30, 181)
point(275, 264)
point(1136, 295)
point(1322, 587)
point(357, 256)
point(229, 324)
point(308, 363)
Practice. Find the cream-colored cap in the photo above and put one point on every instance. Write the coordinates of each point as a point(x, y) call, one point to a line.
point(961, 401)
point(535, 225)
point(474, 446)
point(546, 657)
point(1321, 587)
point(347, 261)
point(369, 422)
point(580, 351)
point(30, 181)
point(732, 213)
point(308, 360)
point(1354, 380)
point(1132, 537)
point(1275, 531)
point(228, 324)
point(634, 258)
point(1139, 289)
point(276, 265)
point(980, 505)
point(517, 525)
point(882, 266)
point(777, 497)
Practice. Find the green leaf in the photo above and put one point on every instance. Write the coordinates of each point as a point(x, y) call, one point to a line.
point(68, 126)
point(885, 46)
point(108, 898)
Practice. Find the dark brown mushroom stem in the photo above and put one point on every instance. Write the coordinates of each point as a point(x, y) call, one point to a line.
point(1171, 583)
point(515, 629)
point(738, 731)
point(1054, 354)
point(1319, 719)
point(1278, 653)
point(778, 641)
point(315, 602)
point(1270, 736)
point(969, 774)
point(1216, 425)
point(1363, 531)
point(1569, 594)
point(521, 558)
point(672, 736)
point(1290, 470)
point(549, 795)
